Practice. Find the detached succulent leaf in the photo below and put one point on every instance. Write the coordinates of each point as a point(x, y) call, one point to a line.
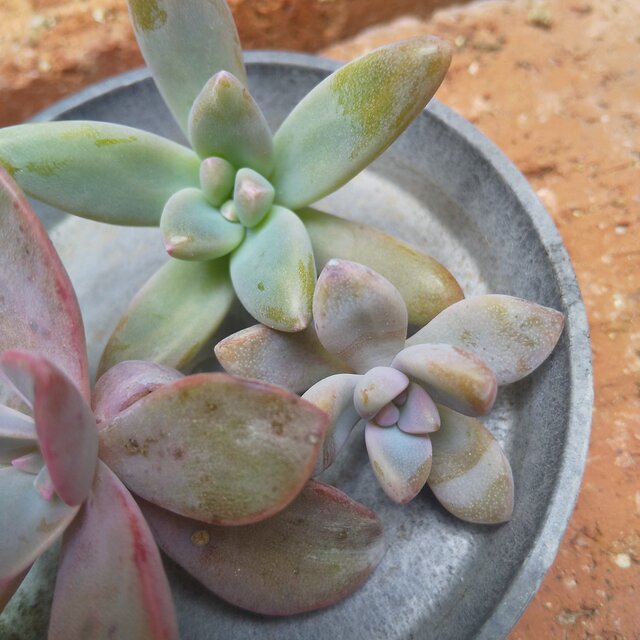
point(173, 315)
point(359, 316)
point(353, 116)
point(110, 578)
point(216, 448)
point(470, 475)
point(425, 285)
point(38, 308)
point(311, 555)
point(513, 336)
point(64, 423)
point(97, 170)
point(295, 361)
point(273, 271)
point(184, 45)
point(225, 121)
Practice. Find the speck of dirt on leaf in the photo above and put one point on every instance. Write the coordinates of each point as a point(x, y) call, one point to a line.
point(147, 15)
point(200, 538)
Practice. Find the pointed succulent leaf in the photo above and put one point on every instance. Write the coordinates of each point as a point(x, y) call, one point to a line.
point(44, 485)
point(513, 336)
point(470, 476)
point(453, 376)
point(401, 461)
point(185, 45)
point(387, 416)
point(353, 116)
point(226, 121)
point(216, 448)
point(228, 211)
point(29, 463)
point(126, 383)
point(30, 525)
point(359, 316)
point(425, 285)
point(252, 197)
point(418, 414)
point(295, 361)
point(273, 271)
point(376, 388)
point(314, 553)
point(334, 396)
point(173, 315)
point(98, 170)
point(193, 230)
point(217, 177)
point(38, 308)
point(110, 580)
point(64, 422)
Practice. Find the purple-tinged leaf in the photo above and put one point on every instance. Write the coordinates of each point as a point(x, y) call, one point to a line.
point(29, 463)
point(110, 581)
point(334, 396)
point(401, 461)
point(311, 555)
point(359, 316)
point(30, 525)
point(295, 361)
point(513, 336)
point(38, 308)
point(126, 383)
point(470, 476)
point(387, 416)
point(453, 376)
point(44, 485)
point(173, 316)
point(376, 388)
point(418, 413)
point(65, 425)
point(216, 448)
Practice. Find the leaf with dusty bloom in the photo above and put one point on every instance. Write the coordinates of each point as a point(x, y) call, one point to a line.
point(470, 475)
point(173, 316)
point(184, 45)
point(513, 336)
point(418, 413)
point(98, 170)
point(376, 388)
point(316, 552)
point(110, 580)
point(426, 286)
point(353, 116)
point(359, 316)
point(216, 448)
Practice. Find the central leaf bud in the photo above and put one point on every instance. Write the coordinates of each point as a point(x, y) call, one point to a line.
point(253, 196)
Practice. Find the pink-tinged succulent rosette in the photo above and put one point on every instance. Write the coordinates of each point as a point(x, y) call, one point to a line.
point(420, 398)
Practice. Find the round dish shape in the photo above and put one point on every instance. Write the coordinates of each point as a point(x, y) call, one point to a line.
point(445, 188)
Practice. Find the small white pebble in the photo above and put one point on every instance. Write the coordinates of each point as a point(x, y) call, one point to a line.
point(623, 560)
point(621, 229)
point(473, 69)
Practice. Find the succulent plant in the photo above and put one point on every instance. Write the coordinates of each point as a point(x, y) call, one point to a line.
point(419, 397)
point(204, 451)
point(234, 210)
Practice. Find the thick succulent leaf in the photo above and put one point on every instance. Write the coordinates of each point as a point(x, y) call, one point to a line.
point(29, 463)
point(353, 116)
point(30, 525)
point(184, 45)
point(9, 586)
point(401, 461)
point(450, 375)
point(225, 121)
point(311, 555)
point(252, 197)
point(470, 476)
point(387, 416)
point(64, 422)
point(217, 177)
point(376, 388)
point(513, 336)
point(273, 271)
point(216, 448)
point(38, 308)
point(359, 316)
point(193, 230)
point(174, 314)
point(295, 361)
point(126, 383)
point(98, 170)
point(110, 581)
point(334, 396)
point(418, 414)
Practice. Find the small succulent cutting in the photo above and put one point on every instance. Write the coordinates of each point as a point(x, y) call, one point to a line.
point(201, 453)
point(419, 398)
point(233, 211)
